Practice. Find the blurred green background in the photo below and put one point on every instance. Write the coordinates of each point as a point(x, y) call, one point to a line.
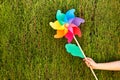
point(28, 50)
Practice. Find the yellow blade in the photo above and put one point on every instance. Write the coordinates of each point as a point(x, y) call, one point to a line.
point(56, 25)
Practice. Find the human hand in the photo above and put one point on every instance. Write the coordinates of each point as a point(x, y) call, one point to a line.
point(90, 63)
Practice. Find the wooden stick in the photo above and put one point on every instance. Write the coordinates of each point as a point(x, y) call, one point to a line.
point(85, 57)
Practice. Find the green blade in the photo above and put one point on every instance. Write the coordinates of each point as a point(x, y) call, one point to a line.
point(74, 50)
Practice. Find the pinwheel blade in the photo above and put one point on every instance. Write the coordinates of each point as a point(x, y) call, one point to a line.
point(60, 17)
point(69, 15)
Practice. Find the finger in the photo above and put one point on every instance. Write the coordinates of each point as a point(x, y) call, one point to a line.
point(88, 64)
point(89, 59)
point(85, 59)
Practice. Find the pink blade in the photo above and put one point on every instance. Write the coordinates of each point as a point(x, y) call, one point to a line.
point(74, 29)
point(69, 36)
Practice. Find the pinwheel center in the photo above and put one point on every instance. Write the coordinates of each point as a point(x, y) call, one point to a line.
point(66, 25)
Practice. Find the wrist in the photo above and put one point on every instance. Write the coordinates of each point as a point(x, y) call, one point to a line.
point(96, 66)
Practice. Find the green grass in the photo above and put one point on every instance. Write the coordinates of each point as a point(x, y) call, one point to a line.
point(28, 50)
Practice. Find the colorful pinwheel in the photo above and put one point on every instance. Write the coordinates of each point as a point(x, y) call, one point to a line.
point(67, 25)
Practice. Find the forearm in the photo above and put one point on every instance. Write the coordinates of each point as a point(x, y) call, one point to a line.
point(108, 66)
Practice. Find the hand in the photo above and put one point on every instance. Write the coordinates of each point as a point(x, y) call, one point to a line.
point(90, 63)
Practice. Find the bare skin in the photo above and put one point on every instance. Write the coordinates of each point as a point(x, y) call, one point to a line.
point(113, 66)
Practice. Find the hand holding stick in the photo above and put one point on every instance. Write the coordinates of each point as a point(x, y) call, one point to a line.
point(85, 57)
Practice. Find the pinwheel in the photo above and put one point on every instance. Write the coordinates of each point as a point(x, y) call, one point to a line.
point(67, 25)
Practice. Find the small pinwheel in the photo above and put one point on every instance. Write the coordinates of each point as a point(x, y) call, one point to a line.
point(67, 25)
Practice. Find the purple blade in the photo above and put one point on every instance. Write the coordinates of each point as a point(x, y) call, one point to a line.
point(77, 21)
